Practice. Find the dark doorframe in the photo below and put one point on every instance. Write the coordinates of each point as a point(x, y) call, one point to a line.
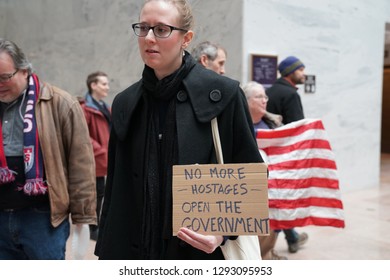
point(385, 135)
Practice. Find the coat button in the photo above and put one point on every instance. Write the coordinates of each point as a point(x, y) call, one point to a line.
point(215, 95)
point(182, 95)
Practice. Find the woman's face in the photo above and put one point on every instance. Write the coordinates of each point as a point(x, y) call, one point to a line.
point(257, 103)
point(164, 55)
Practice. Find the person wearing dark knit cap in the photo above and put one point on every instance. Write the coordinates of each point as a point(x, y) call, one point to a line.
point(284, 100)
point(283, 96)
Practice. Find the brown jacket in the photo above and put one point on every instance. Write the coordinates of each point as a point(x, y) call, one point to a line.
point(67, 155)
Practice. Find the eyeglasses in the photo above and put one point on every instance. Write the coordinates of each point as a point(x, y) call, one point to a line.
point(160, 30)
point(265, 97)
point(7, 77)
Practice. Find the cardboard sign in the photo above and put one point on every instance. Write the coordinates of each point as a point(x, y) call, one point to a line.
point(221, 199)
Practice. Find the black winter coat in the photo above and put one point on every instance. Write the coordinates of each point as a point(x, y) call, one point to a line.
point(284, 100)
point(204, 95)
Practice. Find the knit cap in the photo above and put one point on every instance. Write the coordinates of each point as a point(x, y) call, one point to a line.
point(289, 65)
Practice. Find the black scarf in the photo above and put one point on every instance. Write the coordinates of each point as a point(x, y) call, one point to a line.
point(160, 155)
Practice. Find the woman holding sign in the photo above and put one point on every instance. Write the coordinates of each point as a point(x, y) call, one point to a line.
point(161, 121)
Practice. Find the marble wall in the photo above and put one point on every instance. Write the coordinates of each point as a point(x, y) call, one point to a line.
point(341, 43)
point(66, 40)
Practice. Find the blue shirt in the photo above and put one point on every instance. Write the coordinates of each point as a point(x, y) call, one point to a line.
point(261, 125)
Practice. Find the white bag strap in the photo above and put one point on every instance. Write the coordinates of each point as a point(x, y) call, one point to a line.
point(217, 140)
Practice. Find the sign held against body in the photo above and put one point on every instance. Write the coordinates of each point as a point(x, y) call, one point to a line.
point(221, 199)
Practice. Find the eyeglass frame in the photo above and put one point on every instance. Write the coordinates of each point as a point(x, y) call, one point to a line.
point(265, 97)
point(153, 27)
point(9, 77)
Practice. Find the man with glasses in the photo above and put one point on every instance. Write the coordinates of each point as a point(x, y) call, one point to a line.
point(47, 168)
point(211, 56)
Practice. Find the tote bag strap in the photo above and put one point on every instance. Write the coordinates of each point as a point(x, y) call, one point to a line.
point(217, 140)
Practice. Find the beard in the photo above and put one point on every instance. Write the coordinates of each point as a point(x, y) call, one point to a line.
point(298, 80)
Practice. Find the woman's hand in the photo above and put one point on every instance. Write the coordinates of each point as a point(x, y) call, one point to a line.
point(205, 243)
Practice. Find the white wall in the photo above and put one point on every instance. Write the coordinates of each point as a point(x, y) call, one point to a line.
point(341, 43)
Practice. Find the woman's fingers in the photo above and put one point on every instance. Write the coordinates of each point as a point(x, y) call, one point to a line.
point(205, 243)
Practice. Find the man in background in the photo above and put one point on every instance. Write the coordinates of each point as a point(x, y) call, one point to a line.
point(283, 96)
point(47, 170)
point(211, 56)
point(98, 116)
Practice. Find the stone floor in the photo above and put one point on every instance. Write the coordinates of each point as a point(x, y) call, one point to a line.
point(365, 237)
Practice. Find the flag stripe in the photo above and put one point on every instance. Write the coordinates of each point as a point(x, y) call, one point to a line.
point(288, 132)
point(303, 173)
point(305, 202)
point(308, 221)
point(299, 164)
point(301, 154)
point(287, 141)
point(306, 144)
point(303, 183)
point(312, 191)
point(300, 213)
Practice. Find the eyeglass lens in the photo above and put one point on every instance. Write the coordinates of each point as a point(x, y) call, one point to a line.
point(7, 77)
point(161, 31)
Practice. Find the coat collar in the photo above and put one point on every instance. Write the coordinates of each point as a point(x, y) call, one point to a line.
point(207, 92)
point(285, 82)
point(46, 92)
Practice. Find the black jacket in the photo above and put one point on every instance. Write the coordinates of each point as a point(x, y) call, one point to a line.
point(284, 100)
point(204, 95)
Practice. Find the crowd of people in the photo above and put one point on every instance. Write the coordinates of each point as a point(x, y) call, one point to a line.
point(66, 159)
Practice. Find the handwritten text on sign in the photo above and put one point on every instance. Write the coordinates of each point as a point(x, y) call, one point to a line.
point(221, 199)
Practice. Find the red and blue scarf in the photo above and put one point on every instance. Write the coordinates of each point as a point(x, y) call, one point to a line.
point(32, 153)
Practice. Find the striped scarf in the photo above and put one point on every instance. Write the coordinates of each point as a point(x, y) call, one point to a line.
point(32, 154)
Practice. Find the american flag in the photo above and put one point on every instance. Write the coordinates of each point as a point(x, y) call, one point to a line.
point(303, 187)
